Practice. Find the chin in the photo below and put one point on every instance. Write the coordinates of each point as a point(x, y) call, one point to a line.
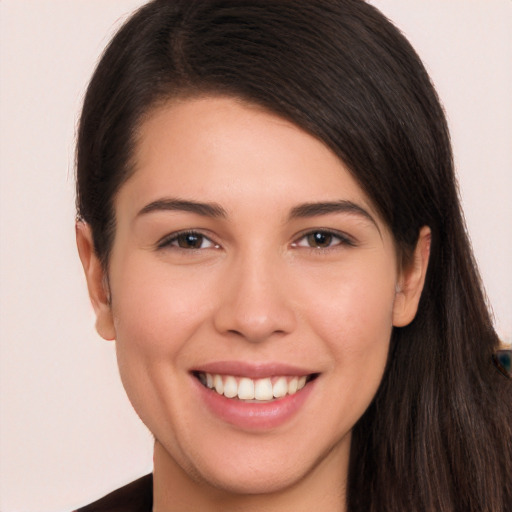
point(265, 469)
point(256, 481)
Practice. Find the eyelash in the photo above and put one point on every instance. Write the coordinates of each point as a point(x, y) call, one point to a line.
point(173, 240)
point(342, 239)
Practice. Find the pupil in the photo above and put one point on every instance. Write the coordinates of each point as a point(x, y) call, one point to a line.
point(190, 241)
point(320, 239)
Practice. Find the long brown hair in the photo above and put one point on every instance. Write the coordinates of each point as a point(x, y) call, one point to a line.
point(437, 436)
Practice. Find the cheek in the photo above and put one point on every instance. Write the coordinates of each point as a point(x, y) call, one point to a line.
point(156, 311)
point(356, 327)
point(353, 317)
point(352, 305)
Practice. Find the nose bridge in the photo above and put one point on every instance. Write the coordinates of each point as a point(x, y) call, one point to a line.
point(254, 302)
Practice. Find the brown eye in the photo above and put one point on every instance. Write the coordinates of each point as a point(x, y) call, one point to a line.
point(320, 239)
point(324, 239)
point(189, 241)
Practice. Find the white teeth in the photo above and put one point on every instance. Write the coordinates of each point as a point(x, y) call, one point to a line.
point(218, 384)
point(246, 389)
point(249, 389)
point(263, 389)
point(280, 387)
point(292, 385)
point(230, 387)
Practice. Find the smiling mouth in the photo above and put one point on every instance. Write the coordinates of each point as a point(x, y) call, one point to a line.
point(254, 390)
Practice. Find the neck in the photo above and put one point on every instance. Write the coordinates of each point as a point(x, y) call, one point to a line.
point(177, 490)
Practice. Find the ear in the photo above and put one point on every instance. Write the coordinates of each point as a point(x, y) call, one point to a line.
point(411, 281)
point(97, 283)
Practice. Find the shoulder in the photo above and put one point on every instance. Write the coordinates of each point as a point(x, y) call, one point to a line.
point(137, 496)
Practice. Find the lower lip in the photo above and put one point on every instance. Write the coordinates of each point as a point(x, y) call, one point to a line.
point(254, 416)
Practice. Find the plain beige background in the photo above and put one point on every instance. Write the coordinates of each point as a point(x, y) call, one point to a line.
point(67, 433)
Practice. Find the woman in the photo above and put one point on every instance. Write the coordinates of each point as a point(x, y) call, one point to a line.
point(270, 229)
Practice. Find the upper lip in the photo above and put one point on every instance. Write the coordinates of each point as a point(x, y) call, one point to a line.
point(251, 370)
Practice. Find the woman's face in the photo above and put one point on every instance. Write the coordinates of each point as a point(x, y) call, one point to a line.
point(247, 263)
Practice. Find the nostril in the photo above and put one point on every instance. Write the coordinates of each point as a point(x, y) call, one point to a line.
point(251, 309)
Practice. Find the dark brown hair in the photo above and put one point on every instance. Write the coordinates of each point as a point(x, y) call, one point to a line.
point(437, 436)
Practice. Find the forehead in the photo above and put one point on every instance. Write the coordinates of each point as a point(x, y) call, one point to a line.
point(226, 150)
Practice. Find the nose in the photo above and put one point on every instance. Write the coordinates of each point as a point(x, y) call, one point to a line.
point(254, 301)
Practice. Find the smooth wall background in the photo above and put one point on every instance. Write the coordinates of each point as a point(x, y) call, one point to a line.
point(67, 432)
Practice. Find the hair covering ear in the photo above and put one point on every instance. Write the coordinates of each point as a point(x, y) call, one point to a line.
point(411, 281)
point(96, 281)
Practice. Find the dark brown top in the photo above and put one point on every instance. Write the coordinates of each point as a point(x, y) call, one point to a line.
point(134, 497)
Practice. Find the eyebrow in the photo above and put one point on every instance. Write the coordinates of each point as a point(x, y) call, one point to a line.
point(214, 210)
point(204, 209)
point(308, 210)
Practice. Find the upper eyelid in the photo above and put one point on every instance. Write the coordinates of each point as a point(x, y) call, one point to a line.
point(171, 237)
point(344, 237)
